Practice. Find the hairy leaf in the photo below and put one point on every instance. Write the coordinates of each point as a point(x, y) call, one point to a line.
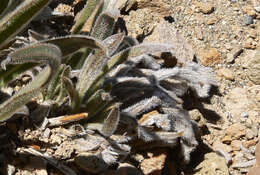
point(16, 20)
point(72, 43)
point(112, 120)
point(113, 42)
point(91, 8)
point(123, 56)
point(104, 25)
point(73, 94)
point(40, 53)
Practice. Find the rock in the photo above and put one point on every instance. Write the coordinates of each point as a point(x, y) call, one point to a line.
point(249, 143)
point(141, 22)
point(248, 20)
point(226, 139)
point(249, 10)
point(226, 73)
point(155, 163)
point(211, 165)
point(252, 33)
point(64, 9)
point(156, 6)
point(205, 8)
point(250, 44)
point(166, 32)
point(217, 145)
point(236, 145)
point(257, 9)
point(250, 134)
point(254, 68)
point(195, 115)
point(238, 101)
point(236, 130)
point(235, 52)
point(212, 21)
point(127, 169)
point(125, 4)
point(208, 57)
point(90, 162)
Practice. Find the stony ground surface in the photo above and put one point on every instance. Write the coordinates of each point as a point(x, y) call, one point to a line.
point(223, 35)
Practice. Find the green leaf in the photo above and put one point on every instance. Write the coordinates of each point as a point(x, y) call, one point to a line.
point(111, 122)
point(39, 53)
point(72, 43)
point(91, 9)
point(16, 21)
point(13, 72)
point(56, 80)
point(104, 25)
point(113, 42)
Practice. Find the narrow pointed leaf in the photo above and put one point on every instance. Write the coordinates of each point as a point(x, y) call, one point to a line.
point(73, 94)
point(36, 36)
point(111, 122)
point(113, 42)
point(72, 43)
point(91, 9)
point(41, 53)
point(104, 25)
point(97, 102)
point(54, 83)
point(17, 20)
point(92, 66)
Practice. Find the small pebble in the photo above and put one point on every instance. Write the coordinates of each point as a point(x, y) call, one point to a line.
point(244, 115)
point(257, 9)
point(248, 20)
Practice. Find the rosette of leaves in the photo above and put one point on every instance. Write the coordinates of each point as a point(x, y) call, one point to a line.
point(117, 79)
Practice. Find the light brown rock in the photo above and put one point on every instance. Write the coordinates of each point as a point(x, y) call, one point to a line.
point(236, 130)
point(234, 53)
point(141, 22)
point(212, 164)
point(226, 139)
point(155, 163)
point(250, 44)
point(166, 32)
point(236, 145)
point(226, 73)
point(249, 10)
point(252, 33)
point(195, 115)
point(208, 57)
point(218, 145)
point(205, 8)
point(249, 143)
point(238, 101)
point(212, 21)
point(156, 6)
point(254, 68)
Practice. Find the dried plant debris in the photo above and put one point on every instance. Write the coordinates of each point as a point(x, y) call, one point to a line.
point(91, 90)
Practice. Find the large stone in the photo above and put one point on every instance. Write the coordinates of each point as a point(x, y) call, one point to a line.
point(155, 163)
point(208, 57)
point(254, 68)
point(236, 130)
point(213, 164)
